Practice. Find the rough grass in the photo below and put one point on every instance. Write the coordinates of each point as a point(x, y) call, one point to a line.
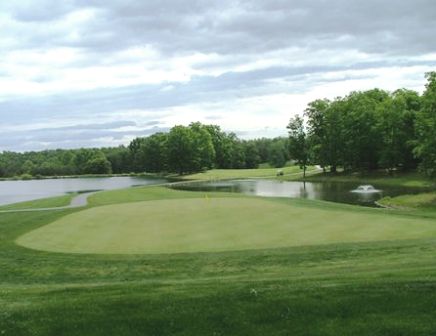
point(51, 202)
point(374, 288)
point(215, 224)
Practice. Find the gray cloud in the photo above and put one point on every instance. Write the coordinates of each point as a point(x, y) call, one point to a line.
point(200, 89)
point(238, 27)
point(229, 34)
point(72, 136)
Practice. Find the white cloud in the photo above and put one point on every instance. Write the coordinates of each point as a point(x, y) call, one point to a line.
point(250, 65)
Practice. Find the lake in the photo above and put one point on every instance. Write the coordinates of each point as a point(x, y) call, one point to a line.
point(326, 191)
point(20, 191)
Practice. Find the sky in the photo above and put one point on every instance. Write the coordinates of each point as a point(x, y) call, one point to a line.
point(97, 73)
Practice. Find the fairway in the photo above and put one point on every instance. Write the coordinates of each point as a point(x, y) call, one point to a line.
point(215, 224)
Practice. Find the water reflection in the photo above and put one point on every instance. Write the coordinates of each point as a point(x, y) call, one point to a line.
point(328, 191)
point(20, 191)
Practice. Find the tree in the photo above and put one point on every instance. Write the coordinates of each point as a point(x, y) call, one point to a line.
point(426, 128)
point(28, 167)
point(316, 113)
point(204, 149)
point(181, 150)
point(137, 162)
point(222, 146)
point(396, 127)
point(277, 153)
point(120, 159)
point(298, 146)
point(154, 153)
point(361, 139)
point(98, 165)
point(252, 157)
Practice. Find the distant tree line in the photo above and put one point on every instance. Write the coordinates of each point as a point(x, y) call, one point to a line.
point(369, 130)
point(198, 147)
point(184, 149)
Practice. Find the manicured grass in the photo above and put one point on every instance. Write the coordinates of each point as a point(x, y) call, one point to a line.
point(51, 202)
point(147, 193)
point(215, 224)
point(424, 200)
point(371, 288)
point(221, 174)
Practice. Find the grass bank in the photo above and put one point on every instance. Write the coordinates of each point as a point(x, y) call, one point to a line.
point(399, 179)
point(225, 174)
point(51, 202)
point(419, 201)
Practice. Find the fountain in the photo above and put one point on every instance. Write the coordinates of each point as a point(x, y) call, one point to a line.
point(366, 189)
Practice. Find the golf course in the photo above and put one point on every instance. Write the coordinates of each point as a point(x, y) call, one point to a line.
point(156, 261)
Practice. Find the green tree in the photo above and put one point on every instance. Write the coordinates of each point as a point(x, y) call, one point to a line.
point(361, 139)
point(28, 167)
point(396, 127)
point(154, 153)
point(222, 145)
point(204, 148)
point(98, 165)
point(426, 128)
point(181, 150)
point(277, 153)
point(298, 145)
point(252, 157)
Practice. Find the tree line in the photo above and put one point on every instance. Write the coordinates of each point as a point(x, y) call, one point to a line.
point(369, 130)
point(184, 149)
point(362, 131)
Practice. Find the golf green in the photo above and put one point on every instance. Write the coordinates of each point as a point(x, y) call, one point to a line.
point(215, 224)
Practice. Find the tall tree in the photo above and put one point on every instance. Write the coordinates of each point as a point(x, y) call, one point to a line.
point(426, 127)
point(181, 150)
point(204, 149)
point(252, 157)
point(154, 153)
point(298, 145)
point(395, 123)
point(277, 153)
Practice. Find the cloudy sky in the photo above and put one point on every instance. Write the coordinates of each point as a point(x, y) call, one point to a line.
point(101, 72)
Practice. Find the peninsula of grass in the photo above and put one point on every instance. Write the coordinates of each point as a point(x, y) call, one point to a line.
point(51, 202)
point(318, 269)
point(226, 174)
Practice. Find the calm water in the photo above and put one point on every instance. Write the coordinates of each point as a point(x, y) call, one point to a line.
point(327, 191)
point(20, 191)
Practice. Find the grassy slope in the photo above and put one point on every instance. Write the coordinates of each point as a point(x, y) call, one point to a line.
point(378, 288)
point(216, 224)
point(220, 174)
point(50, 202)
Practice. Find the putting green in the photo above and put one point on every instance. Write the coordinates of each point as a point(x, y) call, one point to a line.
point(218, 224)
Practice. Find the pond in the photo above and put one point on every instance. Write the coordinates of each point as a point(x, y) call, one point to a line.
point(20, 191)
point(326, 191)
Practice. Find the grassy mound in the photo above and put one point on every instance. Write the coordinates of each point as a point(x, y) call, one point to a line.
point(214, 225)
